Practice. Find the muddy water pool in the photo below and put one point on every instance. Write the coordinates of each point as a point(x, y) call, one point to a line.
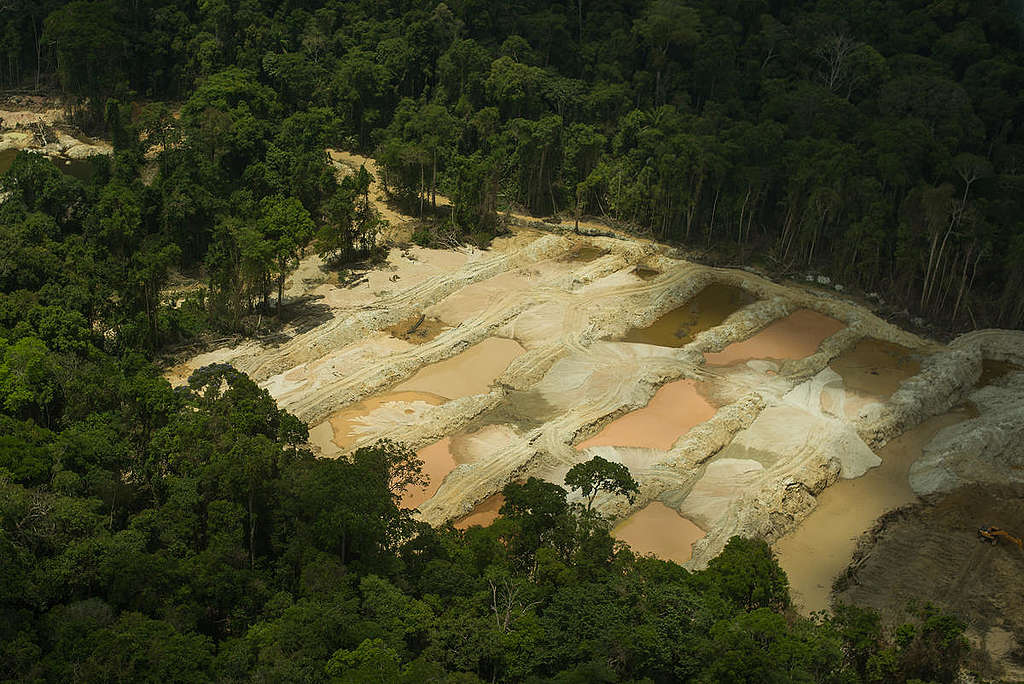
point(705, 310)
point(659, 530)
point(584, 254)
point(469, 372)
point(821, 548)
point(993, 370)
point(672, 411)
point(441, 457)
point(871, 371)
point(796, 336)
point(483, 514)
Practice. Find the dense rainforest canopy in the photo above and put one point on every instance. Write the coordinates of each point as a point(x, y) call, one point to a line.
point(880, 142)
point(187, 535)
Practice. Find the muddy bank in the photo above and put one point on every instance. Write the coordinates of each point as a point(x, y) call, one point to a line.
point(989, 448)
point(822, 546)
point(931, 552)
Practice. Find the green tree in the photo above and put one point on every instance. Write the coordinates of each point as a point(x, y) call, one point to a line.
point(285, 228)
point(600, 475)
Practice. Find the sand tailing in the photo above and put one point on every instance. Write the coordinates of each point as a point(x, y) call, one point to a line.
point(35, 125)
point(734, 401)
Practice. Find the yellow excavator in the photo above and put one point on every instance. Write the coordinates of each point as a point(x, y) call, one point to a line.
point(993, 534)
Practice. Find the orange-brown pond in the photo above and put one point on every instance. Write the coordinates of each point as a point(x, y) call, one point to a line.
point(659, 530)
point(483, 514)
point(820, 549)
point(678, 327)
point(441, 457)
point(343, 429)
point(438, 461)
point(672, 411)
point(469, 372)
point(794, 337)
point(872, 371)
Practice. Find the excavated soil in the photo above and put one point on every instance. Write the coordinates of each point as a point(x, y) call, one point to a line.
point(417, 329)
point(931, 552)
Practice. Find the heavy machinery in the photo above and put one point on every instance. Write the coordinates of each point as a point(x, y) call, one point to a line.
point(993, 534)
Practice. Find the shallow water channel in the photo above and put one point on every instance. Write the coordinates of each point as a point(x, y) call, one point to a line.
point(817, 551)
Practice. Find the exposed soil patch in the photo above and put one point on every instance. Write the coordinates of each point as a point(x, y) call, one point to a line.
point(645, 273)
point(931, 552)
point(417, 329)
point(678, 327)
point(659, 530)
point(472, 299)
